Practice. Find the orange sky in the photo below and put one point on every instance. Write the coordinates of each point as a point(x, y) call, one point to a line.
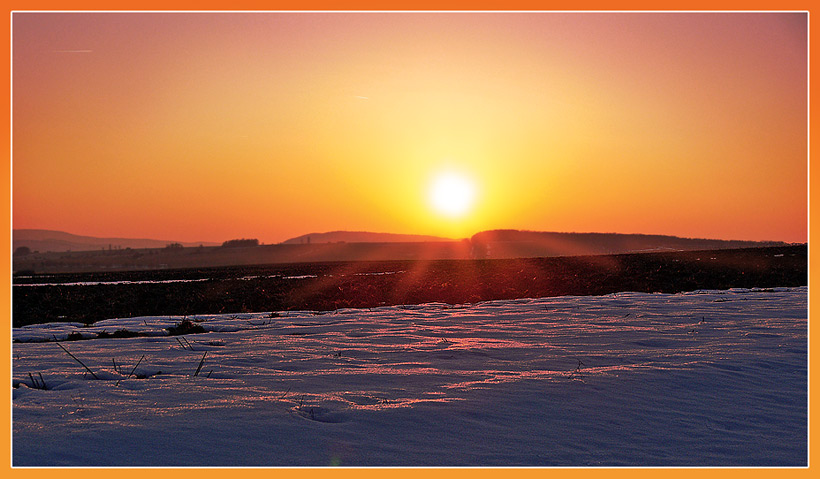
point(212, 126)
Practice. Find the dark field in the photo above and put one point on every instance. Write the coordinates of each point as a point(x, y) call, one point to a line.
point(329, 286)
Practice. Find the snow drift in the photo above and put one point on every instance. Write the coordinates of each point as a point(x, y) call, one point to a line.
point(709, 378)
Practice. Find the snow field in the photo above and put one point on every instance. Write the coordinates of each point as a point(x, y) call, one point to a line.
point(709, 378)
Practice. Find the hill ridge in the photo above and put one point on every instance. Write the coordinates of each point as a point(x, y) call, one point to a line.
point(346, 236)
point(59, 241)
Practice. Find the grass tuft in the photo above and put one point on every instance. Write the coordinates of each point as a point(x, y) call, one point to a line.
point(38, 384)
point(120, 333)
point(186, 326)
point(74, 336)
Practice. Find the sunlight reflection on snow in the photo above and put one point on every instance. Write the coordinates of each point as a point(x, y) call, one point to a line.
point(393, 357)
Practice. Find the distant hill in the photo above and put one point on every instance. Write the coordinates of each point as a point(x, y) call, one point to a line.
point(93, 254)
point(522, 244)
point(361, 237)
point(59, 241)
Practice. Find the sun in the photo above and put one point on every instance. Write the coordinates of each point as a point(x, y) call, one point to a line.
point(452, 194)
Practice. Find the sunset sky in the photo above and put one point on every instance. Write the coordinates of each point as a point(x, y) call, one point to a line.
point(212, 126)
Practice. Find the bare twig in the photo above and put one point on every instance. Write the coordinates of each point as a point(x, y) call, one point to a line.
point(286, 393)
point(135, 367)
point(201, 362)
point(75, 358)
point(132, 371)
point(186, 345)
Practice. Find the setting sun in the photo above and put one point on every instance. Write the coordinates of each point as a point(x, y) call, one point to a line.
point(536, 121)
point(452, 194)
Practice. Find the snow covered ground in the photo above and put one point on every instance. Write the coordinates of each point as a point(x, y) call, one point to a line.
point(709, 378)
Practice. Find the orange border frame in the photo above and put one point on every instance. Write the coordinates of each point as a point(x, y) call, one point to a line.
point(5, 282)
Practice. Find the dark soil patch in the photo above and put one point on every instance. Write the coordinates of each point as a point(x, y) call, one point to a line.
point(330, 286)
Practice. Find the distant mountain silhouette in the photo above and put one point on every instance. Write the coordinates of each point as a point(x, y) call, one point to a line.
point(362, 237)
point(92, 253)
point(59, 241)
point(522, 244)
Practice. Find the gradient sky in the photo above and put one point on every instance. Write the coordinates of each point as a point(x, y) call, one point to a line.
point(212, 126)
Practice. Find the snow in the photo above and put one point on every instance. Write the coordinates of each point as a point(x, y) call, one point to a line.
point(166, 281)
point(708, 378)
point(97, 283)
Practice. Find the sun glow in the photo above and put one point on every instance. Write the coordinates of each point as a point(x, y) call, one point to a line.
point(452, 194)
point(272, 125)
